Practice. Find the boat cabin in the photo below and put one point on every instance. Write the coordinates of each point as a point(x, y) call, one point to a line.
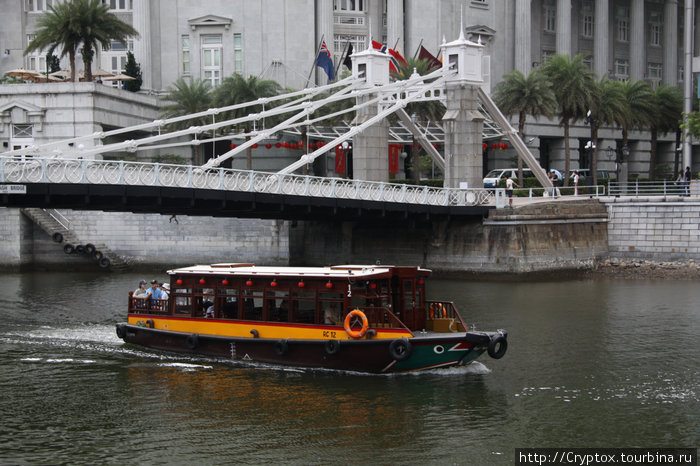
point(390, 297)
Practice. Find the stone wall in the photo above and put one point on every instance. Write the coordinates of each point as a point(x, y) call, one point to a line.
point(654, 230)
point(145, 239)
point(548, 236)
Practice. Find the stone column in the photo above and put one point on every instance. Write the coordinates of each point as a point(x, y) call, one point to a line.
point(394, 26)
point(564, 27)
point(637, 30)
point(601, 38)
point(463, 129)
point(523, 38)
point(671, 43)
point(142, 44)
point(370, 149)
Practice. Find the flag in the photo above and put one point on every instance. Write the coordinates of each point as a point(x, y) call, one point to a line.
point(325, 61)
point(432, 61)
point(396, 58)
point(348, 61)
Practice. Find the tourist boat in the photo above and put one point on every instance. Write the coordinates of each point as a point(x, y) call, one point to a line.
point(366, 318)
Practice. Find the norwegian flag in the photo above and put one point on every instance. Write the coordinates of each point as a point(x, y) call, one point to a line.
point(396, 58)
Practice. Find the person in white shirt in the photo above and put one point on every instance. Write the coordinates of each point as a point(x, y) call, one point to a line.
point(576, 183)
point(509, 190)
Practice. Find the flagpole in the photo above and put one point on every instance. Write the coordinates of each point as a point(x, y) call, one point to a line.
point(417, 49)
point(313, 64)
point(340, 62)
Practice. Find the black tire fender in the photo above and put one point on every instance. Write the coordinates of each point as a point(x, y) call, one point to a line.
point(121, 331)
point(498, 347)
point(97, 255)
point(104, 263)
point(57, 237)
point(90, 248)
point(192, 341)
point(150, 323)
point(332, 346)
point(281, 347)
point(400, 349)
point(80, 249)
point(68, 249)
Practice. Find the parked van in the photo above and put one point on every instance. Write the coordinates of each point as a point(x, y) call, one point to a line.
point(494, 177)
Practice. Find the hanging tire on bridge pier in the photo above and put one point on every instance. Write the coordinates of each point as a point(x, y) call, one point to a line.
point(69, 249)
point(57, 237)
point(80, 249)
point(97, 255)
point(90, 248)
point(104, 263)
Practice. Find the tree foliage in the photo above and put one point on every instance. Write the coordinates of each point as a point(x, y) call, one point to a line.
point(132, 69)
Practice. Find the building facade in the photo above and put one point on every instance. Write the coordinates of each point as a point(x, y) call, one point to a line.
point(278, 39)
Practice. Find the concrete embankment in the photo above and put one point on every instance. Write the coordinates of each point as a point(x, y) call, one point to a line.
point(540, 237)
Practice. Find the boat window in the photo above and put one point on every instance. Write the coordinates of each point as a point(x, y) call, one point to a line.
point(408, 296)
point(277, 305)
point(204, 302)
point(183, 301)
point(227, 300)
point(304, 307)
point(252, 304)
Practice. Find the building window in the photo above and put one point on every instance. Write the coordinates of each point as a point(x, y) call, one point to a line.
point(349, 20)
point(36, 60)
point(547, 55)
point(340, 43)
point(622, 69)
point(587, 20)
point(588, 61)
point(39, 5)
point(238, 54)
point(623, 24)
point(22, 136)
point(681, 78)
point(185, 42)
point(211, 59)
point(550, 18)
point(654, 73)
point(348, 5)
point(113, 58)
point(123, 5)
point(655, 30)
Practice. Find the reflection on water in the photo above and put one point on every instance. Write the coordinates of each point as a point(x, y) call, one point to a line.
point(590, 363)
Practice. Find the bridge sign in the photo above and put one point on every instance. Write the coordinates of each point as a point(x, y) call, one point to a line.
point(13, 189)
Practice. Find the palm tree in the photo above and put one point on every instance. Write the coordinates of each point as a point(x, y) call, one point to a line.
point(235, 90)
point(59, 28)
point(640, 104)
point(667, 115)
point(573, 89)
point(607, 107)
point(531, 95)
point(99, 27)
point(188, 97)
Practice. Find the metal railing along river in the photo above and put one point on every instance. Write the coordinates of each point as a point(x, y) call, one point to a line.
point(58, 170)
point(651, 188)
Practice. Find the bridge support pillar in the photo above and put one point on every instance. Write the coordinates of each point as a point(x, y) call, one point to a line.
point(463, 125)
point(370, 157)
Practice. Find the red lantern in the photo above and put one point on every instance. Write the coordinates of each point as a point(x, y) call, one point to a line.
point(484, 146)
point(373, 286)
point(319, 144)
point(268, 146)
point(301, 284)
point(420, 282)
point(232, 146)
point(278, 145)
point(249, 283)
point(311, 145)
point(505, 146)
point(224, 282)
point(255, 146)
point(301, 144)
point(179, 281)
point(273, 283)
point(329, 285)
point(202, 281)
point(494, 146)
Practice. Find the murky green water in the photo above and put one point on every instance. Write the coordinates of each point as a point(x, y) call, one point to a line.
point(591, 363)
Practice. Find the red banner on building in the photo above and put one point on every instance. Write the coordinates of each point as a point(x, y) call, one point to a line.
point(394, 151)
point(339, 160)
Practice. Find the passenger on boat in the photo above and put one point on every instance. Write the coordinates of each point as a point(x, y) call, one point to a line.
point(209, 313)
point(141, 290)
point(164, 290)
point(331, 315)
point(154, 292)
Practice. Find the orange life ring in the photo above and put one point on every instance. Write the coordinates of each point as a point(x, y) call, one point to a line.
point(365, 323)
point(437, 309)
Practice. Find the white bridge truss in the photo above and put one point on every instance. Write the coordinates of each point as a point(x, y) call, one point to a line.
point(55, 170)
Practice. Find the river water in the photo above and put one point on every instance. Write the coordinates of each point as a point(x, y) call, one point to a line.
point(590, 363)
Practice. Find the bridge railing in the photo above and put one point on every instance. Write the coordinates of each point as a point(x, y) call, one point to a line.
point(55, 170)
point(651, 188)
